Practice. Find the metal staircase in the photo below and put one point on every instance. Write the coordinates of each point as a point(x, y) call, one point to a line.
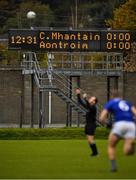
point(48, 80)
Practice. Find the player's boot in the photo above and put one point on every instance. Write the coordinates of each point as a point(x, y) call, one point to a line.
point(96, 154)
point(113, 169)
point(94, 150)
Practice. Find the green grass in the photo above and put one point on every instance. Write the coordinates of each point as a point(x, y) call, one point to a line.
point(60, 159)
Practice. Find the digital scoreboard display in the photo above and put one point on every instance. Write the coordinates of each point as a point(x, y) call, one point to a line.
point(70, 41)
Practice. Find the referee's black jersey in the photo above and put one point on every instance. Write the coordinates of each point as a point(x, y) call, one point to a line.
point(91, 110)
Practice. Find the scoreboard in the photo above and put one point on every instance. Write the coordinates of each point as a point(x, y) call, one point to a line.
point(70, 41)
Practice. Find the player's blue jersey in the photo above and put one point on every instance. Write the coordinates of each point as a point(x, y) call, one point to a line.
point(121, 109)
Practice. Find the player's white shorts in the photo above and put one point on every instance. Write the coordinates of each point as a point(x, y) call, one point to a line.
point(124, 129)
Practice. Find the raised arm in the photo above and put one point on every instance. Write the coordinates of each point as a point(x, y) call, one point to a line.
point(83, 103)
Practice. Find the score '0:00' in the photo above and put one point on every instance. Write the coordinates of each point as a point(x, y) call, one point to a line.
point(120, 36)
point(120, 45)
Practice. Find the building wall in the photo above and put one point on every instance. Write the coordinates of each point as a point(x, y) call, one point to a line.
point(130, 86)
point(16, 98)
point(10, 96)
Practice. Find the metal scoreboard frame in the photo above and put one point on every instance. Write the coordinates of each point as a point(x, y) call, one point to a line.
point(70, 40)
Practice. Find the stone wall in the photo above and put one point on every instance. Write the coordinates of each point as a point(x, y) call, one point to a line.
point(10, 96)
point(16, 97)
point(130, 86)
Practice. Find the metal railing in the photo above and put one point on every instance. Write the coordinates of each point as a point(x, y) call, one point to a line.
point(49, 79)
point(91, 67)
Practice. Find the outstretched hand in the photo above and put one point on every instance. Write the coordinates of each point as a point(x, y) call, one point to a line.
point(84, 95)
point(78, 91)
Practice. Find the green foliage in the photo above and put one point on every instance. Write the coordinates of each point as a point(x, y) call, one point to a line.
point(44, 16)
point(50, 133)
point(90, 13)
point(8, 57)
point(4, 13)
point(42, 58)
point(124, 16)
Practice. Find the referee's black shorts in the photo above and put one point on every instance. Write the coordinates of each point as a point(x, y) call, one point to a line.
point(90, 129)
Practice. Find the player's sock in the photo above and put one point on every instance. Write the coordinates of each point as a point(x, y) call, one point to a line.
point(94, 149)
point(113, 166)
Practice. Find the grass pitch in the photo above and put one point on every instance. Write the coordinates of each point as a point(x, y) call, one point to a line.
point(62, 159)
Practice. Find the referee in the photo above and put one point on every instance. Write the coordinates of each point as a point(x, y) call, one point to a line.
point(90, 126)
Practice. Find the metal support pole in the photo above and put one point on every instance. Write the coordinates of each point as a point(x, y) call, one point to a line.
point(50, 77)
point(69, 109)
point(40, 110)
point(76, 14)
point(67, 119)
point(32, 101)
point(123, 75)
point(69, 116)
point(114, 84)
point(78, 117)
point(43, 109)
point(22, 104)
point(31, 61)
point(50, 107)
point(21, 110)
point(108, 88)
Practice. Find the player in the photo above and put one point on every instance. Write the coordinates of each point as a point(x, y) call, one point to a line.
point(90, 119)
point(123, 126)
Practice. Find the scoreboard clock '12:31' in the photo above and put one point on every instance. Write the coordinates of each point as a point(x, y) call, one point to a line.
point(23, 39)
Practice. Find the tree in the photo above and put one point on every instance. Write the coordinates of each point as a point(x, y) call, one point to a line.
point(124, 16)
point(8, 57)
point(57, 13)
point(90, 13)
point(44, 16)
point(5, 12)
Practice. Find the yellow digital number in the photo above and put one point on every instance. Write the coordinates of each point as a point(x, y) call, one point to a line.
point(109, 45)
point(29, 40)
point(127, 37)
point(18, 40)
point(34, 40)
point(124, 36)
point(121, 45)
point(124, 45)
point(121, 36)
point(127, 45)
point(109, 36)
point(13, 39)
